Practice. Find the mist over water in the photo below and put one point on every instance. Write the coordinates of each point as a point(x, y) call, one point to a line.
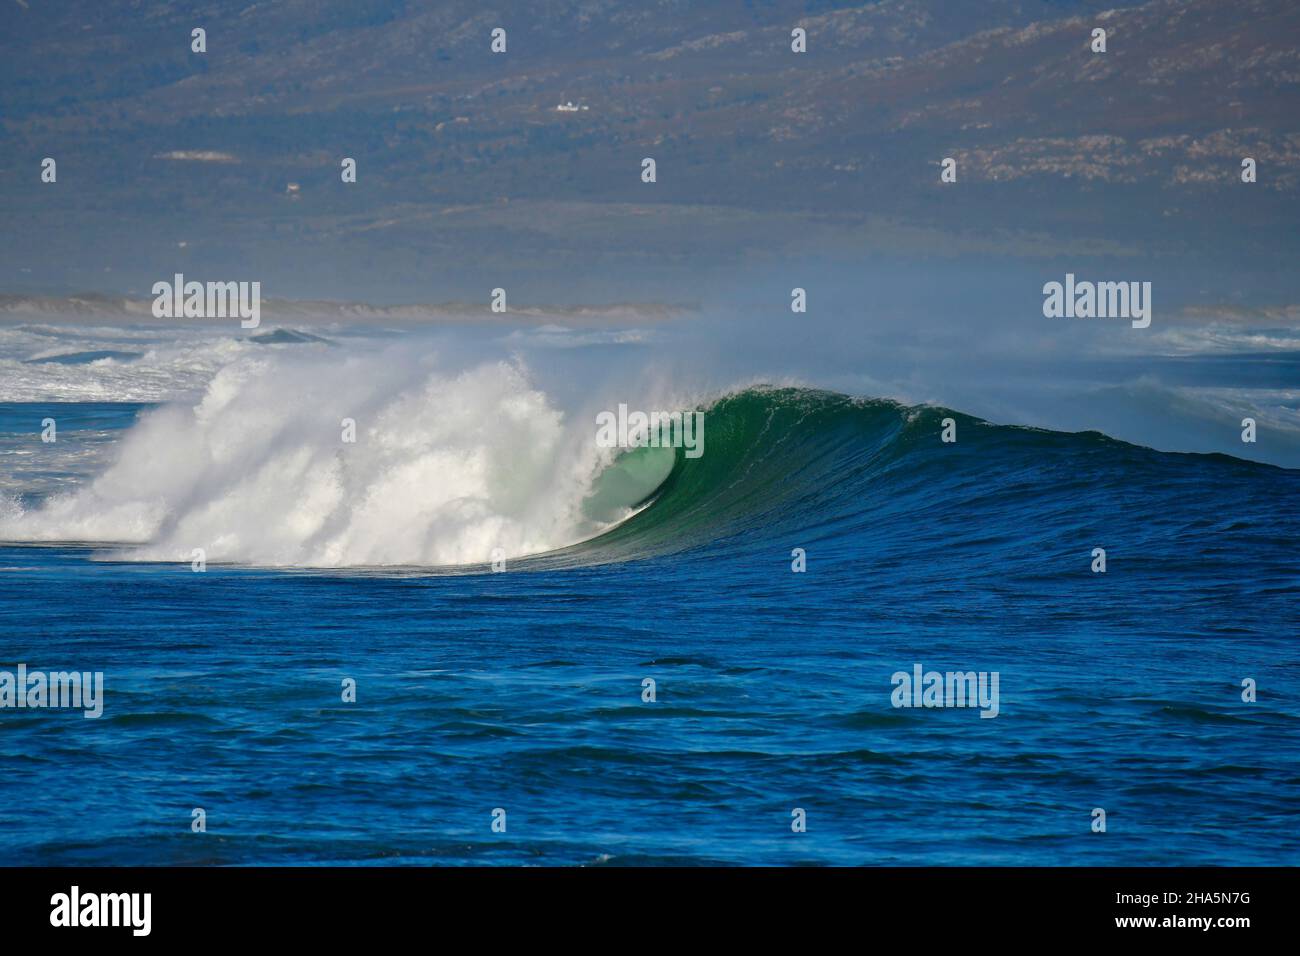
point(475, 436)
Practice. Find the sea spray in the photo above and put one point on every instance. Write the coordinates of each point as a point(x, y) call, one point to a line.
point(444, 469)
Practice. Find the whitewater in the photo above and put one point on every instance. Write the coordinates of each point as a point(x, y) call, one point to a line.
point(444, 469)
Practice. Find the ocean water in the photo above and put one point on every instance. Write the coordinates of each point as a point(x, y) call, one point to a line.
point(522, 690)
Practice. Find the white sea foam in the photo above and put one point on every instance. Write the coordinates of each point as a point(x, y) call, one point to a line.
point(446, 467)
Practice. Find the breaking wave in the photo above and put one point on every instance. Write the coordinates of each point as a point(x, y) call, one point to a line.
point(456, 470)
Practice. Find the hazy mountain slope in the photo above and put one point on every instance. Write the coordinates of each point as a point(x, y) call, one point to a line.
point(465, 162)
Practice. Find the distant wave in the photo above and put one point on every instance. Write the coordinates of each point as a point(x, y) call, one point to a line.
point(85, 358)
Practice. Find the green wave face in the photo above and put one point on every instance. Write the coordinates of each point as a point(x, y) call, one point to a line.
point(869, 479)
point(771, 457)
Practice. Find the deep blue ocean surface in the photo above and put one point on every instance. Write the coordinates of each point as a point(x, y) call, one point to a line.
point(523, 690)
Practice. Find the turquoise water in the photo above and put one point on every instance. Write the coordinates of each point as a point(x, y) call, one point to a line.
point(523, 690)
